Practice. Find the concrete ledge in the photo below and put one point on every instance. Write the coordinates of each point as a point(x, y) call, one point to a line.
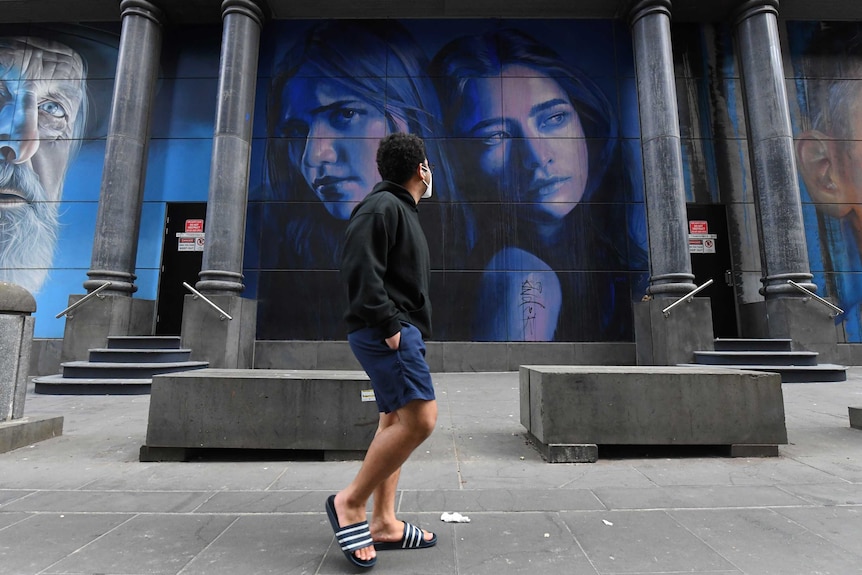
point(450, 356)
point(568, 409)
point(327, 411)
point(28, 430)
point(855, 417)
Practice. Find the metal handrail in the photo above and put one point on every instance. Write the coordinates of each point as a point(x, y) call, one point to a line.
point(817, 297)
point(81, 301)
point(198, 294)
point(686, 297)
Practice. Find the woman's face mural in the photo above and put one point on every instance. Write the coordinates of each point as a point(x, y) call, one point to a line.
point(530, 145)
point(522, 139)
point(336, 134)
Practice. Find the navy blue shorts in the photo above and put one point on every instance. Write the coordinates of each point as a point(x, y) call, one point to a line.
point(398, 376)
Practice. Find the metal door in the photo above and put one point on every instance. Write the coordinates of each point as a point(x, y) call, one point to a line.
point(182, 257)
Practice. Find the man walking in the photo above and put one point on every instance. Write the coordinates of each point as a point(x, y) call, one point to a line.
point(386, 266)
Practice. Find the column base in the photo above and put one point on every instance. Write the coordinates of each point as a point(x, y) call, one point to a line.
point(212, 337)
point(672, 340)
point(807, 322)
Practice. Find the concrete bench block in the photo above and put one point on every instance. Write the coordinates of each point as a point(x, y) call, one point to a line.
point(329, 411)
point(568, 409)
point(855, 417)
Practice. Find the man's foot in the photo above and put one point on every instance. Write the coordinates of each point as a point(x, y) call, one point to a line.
point(353, 537)
point(401, 535)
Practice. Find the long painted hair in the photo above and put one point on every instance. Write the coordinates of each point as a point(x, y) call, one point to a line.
point(381, 62)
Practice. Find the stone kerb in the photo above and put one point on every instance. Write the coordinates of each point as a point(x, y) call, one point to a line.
point(570, 411)
point(331, 412)
point(16, 340)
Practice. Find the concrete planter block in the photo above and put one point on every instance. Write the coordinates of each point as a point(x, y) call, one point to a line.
point(569, 410)
point(328, 411)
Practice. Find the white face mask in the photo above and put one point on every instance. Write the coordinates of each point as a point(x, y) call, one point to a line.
point(428, 184)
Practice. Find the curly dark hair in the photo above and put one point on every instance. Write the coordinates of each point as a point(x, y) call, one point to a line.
point(398, 156)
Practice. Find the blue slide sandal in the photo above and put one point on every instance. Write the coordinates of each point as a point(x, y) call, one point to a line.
point(351, 537)
point(413, 538)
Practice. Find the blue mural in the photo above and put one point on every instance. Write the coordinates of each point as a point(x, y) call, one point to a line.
point(56, 85)
point(825, 94)
point(536, 224)
point(535, 188)
point(52, 114)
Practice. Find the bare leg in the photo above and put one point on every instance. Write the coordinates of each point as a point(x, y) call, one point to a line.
point(385, 526)
point(389, 449)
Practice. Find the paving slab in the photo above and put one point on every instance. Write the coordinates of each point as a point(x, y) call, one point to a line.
point(839, 525)
point(516, 500)
point(765, 542)
point(265, 545)
point(641, 542)
point(146, 544)
point(524, 543)
point(698, 496)
point(829, 494)
point(83, 503)
point(42, 540)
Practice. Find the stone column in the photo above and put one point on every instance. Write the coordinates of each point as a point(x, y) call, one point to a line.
point(784, 253)
point(221, 341)
point(660, 339)
point(120, 201)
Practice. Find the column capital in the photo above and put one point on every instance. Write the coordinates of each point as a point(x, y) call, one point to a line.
point(641, 8)
point(749, 8)
point(141, 8)
point(248, 8)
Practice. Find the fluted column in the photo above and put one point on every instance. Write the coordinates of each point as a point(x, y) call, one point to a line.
point(784, 254)
point(228, 188)
point(664, 185)
point(119, 215)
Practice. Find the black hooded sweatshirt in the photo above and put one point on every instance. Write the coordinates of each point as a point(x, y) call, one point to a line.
point(386, 264)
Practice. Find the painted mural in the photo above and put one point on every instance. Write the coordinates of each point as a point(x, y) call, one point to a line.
point(56, 85)
point(535, 226)
point(537, 221)
point(536, 218)
point(50, 106)
point(825, 91)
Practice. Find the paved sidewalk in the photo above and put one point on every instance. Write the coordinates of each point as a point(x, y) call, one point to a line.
point(83, 503)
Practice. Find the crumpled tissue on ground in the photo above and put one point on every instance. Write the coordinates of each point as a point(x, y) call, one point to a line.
point(454, 517)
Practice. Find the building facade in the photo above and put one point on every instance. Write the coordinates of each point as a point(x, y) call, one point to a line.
point(591, 161)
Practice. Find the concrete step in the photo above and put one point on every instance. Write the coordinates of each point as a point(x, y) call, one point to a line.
point(112, 370)
point(752, 344)
point(806, 358)
point(824, 372)
point(154, 355)
point(59, 385)
point(143, 342)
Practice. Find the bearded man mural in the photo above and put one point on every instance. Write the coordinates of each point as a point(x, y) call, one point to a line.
point(42, 117)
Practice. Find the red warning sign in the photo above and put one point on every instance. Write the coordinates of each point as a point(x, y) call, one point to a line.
point(194, 226)
point(698, 227)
